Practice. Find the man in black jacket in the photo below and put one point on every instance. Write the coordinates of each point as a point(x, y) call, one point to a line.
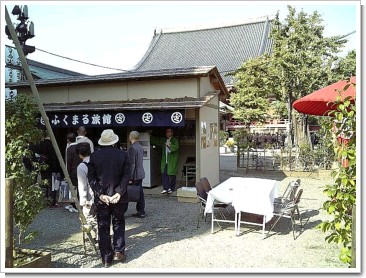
point(72, 162)
point(108, 176)
point(48, 156)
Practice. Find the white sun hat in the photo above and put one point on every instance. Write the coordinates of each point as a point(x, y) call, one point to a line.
point(108, 138)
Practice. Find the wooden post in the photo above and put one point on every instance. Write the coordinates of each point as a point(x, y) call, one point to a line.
point(353, 247)
point(46, 121)
point(9, 234)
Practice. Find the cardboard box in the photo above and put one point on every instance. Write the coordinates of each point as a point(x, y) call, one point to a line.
point(187, 195)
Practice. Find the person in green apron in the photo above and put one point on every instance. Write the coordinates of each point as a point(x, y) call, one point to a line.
point(169, 159)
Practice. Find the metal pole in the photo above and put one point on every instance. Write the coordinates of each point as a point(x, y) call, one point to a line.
point(46, 120)
point(353, 246)
point(9, 234)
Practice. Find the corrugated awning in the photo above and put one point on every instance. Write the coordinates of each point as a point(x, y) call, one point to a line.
point(136, 104)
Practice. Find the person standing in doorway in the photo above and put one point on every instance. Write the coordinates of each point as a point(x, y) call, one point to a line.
point(108, 175)
point(82, 137)
point(137, 173)
point(169, 159)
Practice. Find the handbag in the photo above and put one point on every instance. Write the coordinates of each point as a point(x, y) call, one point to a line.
point(133, 193)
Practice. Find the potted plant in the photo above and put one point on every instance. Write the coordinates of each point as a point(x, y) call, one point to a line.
point(28, 198)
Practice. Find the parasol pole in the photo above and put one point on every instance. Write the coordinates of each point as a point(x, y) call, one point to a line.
point(47, 123)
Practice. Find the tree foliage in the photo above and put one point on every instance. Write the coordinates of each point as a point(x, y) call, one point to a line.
point(302, 56)
point(345, 67)
point(251, 99)
point(342, 193)
point(20, 130)
point(301, 61)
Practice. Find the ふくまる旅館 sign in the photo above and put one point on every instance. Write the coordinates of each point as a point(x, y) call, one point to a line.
point(116, 119)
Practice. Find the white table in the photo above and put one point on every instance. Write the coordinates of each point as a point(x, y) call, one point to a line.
point(251, 195)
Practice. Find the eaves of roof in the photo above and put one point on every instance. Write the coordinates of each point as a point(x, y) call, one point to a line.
point(163, 74)
point(135, 104)
point(121, 77)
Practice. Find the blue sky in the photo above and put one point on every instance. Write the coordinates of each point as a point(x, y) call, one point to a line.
point(117, 34)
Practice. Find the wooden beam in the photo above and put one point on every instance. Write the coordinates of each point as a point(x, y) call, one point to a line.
point(46, 120)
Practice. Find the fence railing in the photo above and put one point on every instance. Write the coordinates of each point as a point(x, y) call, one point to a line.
point(280, 159)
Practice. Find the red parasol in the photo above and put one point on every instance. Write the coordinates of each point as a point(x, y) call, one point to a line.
point(321, 102)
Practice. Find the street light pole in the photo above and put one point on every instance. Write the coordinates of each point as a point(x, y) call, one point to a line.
point(24, 31)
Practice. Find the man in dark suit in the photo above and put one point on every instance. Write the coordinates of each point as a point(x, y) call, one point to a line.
point(48, 156)
point(108, 175)
point(72, 162)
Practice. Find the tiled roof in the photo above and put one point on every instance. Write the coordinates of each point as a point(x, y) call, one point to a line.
point(225, 47)
point(44, 71)
point(161, 74)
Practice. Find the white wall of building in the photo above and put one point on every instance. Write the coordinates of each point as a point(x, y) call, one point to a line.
point(208, 143)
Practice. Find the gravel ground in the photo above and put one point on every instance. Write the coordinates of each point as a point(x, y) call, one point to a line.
point(168, 240)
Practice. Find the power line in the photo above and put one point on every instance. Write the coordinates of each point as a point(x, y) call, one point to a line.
point(74, 60)
point(345, 36)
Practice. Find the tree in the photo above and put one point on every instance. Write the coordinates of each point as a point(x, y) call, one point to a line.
point(302, 59)
point(345, 67)
point(251, 98)
point(20, 130)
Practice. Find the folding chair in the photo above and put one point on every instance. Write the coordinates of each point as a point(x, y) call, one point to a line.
point(289, 193)
point(189, 170)
point(208, 187)
point(288, 210)
point(202, 197)
point(206, 184)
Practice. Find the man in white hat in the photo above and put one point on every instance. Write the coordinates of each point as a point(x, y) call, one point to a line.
point(108, 175)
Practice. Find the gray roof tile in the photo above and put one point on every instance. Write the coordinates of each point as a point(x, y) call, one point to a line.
point(225, 47)
point(160, 74)
point(44, 71)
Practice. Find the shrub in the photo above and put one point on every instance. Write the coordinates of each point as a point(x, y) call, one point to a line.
point(223, 137)
point(20, 130)
point(342, 192)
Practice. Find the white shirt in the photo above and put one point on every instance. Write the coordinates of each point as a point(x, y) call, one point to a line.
point(86, 194)
point(167, 150)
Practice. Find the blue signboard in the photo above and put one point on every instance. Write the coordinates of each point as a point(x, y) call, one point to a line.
point(116, 119)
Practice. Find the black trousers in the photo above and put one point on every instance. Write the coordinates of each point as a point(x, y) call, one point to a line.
point(74, 180)
point(47, 188)
point(106, 214)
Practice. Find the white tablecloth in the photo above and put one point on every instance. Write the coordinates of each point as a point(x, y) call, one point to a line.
point(252, 195)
